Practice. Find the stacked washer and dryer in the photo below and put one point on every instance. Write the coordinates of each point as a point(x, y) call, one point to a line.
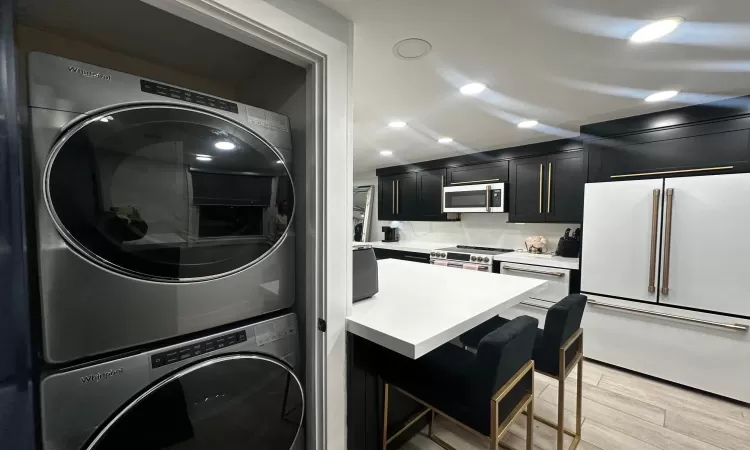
point(166, 265)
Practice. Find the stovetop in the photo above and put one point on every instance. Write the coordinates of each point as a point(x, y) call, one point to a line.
point(475, 250)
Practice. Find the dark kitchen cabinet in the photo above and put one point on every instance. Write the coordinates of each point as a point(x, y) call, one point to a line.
point(696, 149)
point(397, 196)
point(496, 172)
point(547, 188)
point(527, 193)
point(384, 253)
point(566, 174)
point(430, 195)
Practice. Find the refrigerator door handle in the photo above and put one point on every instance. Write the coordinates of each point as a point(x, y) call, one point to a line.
point(667, 243)
point(654, 232)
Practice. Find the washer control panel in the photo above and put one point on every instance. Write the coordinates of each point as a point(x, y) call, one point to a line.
point(187, 96)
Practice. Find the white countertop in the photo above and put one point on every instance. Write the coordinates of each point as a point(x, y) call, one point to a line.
point(420, 307)
point(539, 260)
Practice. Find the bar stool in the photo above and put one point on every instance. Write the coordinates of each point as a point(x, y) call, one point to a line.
point(460, 385)
point(557, 350)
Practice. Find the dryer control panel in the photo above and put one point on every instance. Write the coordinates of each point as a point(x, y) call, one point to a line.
point(197, 349)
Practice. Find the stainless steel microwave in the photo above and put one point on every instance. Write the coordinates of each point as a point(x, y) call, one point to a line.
point(480, 198)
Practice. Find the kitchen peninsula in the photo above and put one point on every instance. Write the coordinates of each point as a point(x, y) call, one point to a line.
point(418, 308)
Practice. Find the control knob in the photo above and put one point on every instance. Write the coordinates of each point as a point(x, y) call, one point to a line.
point(473, 258)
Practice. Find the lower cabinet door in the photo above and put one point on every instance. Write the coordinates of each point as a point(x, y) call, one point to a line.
point(711, 358)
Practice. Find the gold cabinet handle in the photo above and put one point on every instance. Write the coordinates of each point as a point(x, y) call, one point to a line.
point(487, 198)
point(442, 193)
point(541, 182)
point(667, 243)
point(398, 194)
point(393, 200)
point(654, 232)
point(549, 187)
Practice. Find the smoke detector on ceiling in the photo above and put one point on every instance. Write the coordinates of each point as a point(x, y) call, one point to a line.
point(411, 49)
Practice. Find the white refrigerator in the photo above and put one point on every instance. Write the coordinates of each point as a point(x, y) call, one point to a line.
point(666, 266)
point(682, 242)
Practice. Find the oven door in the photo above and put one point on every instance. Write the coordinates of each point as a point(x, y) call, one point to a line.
point(480, 198)
point(460, 265)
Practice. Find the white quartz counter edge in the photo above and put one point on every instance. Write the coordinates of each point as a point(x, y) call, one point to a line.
point(417, 308)
point(558, 262)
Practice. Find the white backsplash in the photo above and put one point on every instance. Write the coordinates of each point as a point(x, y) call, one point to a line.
point(483, 229)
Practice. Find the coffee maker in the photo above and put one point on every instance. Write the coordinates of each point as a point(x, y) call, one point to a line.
point(391, 232)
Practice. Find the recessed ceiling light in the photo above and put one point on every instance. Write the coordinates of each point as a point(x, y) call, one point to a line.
point(203, 158)
point(397, 124)
point(473, 88)
point(656, 30)
point(224, 145)
point(661, 96)
point(386, 152)
point(411, 49)
point(445, 140)
point(528, 124)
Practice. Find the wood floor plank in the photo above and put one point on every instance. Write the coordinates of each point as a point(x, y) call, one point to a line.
point(724, 432)
point(545, 437)
point(611, 439)
point(668, 396)
point(654, 434)
point(623, 403)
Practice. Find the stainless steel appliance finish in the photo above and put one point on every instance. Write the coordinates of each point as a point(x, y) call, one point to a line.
point(480, 198)
point(466, 257)
point(235, 384)
point(147, 229)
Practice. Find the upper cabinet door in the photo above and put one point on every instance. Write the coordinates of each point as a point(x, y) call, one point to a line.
point(386, 198)
point(620, 240)
point(496, 172)
point(703, 149)
point(528, 191)
point(566, 177)
point(707, 257)
point(430, 194)
point(406, 196)
point(397, 197)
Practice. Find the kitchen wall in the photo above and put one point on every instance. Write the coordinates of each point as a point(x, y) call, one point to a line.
point(491, 230)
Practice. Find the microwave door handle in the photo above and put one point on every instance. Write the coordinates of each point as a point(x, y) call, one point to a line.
point(487, 198)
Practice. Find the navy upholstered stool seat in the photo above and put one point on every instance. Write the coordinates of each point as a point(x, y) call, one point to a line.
point(558, 348)
point(483, 392)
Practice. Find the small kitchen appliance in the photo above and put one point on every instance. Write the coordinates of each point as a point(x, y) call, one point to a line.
point(365, 273)
point(391, 232)
point(466, 257)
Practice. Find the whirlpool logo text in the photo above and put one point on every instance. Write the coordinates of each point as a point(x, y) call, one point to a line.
point(101, 375)
point(90, 73)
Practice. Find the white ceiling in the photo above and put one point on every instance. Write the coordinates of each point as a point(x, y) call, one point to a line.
point(563, 65)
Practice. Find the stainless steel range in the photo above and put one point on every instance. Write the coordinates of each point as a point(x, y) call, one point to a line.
point(466, 257)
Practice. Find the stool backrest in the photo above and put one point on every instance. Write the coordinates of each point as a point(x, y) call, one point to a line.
point(502, 353)
point(563, 319)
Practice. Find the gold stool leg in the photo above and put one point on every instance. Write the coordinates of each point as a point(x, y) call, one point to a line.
point(385, 417)
point(530, 420)
point(561, 406)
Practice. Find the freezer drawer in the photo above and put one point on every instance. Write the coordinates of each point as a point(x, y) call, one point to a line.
point(558, 280)
point(683, 349)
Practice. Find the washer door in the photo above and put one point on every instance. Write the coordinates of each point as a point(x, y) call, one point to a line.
point(226, 403)
point(168, 193)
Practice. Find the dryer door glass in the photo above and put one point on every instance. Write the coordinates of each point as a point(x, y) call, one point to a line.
point(235, 402)
point(168, 193)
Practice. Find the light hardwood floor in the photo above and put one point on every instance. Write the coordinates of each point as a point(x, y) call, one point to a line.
point(621, 411)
